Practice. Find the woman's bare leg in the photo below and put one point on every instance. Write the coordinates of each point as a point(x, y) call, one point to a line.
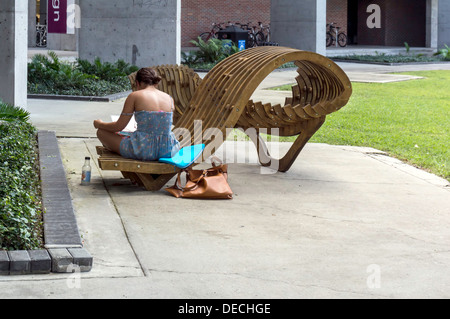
point(109, 140)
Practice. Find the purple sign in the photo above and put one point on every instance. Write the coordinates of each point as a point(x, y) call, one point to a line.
point(57, 16)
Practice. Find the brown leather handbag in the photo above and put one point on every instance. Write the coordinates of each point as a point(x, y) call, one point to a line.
point(211, 183)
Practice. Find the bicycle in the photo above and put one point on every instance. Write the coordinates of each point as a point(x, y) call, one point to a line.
point(333, 34)
point(263, 35)
point(216, 27)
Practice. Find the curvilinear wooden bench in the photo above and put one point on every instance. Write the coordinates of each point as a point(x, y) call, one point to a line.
point(222, 101)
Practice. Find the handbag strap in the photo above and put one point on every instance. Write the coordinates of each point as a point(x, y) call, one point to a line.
point(196, 181)
point(193, 186)
point(215, 159)
point(178, 181)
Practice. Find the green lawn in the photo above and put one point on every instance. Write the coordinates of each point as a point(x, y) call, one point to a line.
point(409, 120)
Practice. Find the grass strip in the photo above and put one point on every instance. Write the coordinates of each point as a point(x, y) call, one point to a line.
point(409, 120)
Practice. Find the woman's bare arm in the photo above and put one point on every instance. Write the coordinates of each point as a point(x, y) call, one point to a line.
point(123, 120)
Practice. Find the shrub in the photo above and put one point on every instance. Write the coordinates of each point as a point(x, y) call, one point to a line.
point(52, 76)
point(20, 209)
point(384, 58)
point(11, 113)
point(189, 58)
point(210, 52)
point(445, 53)
point(106, 71)
point(52, 73)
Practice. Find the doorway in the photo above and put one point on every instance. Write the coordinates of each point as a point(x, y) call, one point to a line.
point(352, 21)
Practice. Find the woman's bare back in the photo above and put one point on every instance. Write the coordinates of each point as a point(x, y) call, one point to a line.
point(151, 99)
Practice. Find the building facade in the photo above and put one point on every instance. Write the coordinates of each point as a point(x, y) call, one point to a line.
point(385, 22)
point(417, 23)
point(197, 16)
point(152, 32)
point(420, 23)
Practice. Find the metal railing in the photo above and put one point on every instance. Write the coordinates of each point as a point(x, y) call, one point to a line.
point(41, 36)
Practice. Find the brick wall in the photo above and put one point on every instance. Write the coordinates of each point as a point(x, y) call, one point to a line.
point(337, 13)
point(197, 16)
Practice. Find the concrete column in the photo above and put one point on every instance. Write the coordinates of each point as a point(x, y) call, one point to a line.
point(141, 32)
point(43, 11)
point(299, 24)
point(432, 23)
point(32, 23)
point(443, 23)
point(178, 34)
point(13, 53)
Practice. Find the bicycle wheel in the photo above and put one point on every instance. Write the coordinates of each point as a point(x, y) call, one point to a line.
point(260, 38)
point(329, 39)
point(342, 39)
point(205, 36)
point(251, 40)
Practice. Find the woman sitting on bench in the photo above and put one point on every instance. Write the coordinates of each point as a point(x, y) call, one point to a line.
point(153, 110)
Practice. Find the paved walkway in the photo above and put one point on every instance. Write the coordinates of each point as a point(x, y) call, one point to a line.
point(344, 222)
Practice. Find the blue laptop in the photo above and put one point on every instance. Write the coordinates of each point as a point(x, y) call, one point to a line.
point(185, 157)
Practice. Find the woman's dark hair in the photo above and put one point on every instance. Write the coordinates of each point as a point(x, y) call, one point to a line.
point(148, 76)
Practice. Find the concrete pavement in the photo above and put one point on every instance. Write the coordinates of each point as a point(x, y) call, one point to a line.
point(344, 222)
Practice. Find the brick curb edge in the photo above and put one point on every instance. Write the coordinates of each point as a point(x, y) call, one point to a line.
point(64, 252)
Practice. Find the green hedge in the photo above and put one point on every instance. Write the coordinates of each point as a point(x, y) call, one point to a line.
point(50, 75)
point(20, 201)
point(384, 58)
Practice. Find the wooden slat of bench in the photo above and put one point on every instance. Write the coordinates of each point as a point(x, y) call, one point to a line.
point(136, 166)
point(114, 162)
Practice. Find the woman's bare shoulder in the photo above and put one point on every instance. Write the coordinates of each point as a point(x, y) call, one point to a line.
point(135, 94)
point(140, 96)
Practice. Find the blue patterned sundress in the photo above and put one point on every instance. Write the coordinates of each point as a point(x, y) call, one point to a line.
point(153, 138)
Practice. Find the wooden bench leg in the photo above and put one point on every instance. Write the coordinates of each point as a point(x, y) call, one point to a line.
point(285, 163)
point(133, 178)
point(153, 182)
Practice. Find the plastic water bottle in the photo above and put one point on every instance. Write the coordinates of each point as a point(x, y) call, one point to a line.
point(86, 172)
